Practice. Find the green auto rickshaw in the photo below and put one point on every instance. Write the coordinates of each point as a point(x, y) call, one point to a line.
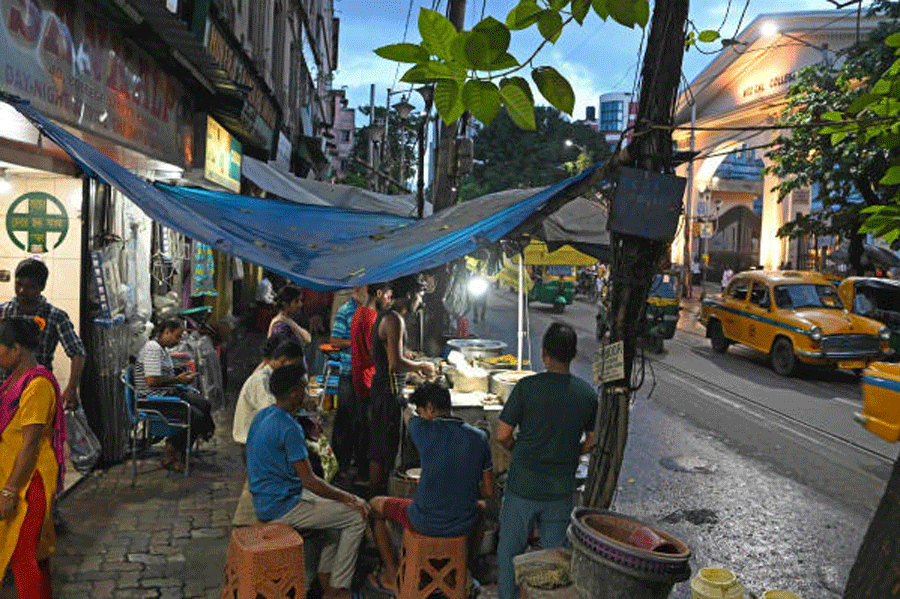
point(661, 315)
point(876, 298)
point(555, 273)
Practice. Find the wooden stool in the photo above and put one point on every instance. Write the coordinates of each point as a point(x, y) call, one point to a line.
point(430, 564)
point(264, 562)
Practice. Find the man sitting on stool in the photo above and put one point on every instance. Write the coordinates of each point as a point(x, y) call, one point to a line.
point(456, 471)
point(285, 489)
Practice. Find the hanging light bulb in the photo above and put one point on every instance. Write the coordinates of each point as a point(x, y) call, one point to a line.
point(5, 185)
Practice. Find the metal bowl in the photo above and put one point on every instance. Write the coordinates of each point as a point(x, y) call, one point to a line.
point(473, 349)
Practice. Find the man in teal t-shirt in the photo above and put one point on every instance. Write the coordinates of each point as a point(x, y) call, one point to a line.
point(555, 413)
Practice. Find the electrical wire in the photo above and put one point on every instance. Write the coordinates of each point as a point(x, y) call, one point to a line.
point(405, 32)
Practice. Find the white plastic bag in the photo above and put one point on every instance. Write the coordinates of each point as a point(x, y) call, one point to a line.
point(82, 441)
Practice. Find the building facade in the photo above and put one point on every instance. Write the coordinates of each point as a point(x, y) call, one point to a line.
point(744, 87)
point(618, 111)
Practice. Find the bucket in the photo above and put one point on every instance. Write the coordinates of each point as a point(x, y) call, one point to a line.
point(779, 594)
point(716, 583)
point(605, 564)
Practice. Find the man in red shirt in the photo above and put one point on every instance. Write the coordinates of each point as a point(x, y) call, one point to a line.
point(380, 297)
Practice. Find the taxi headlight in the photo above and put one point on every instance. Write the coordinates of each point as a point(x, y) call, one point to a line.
point(815, 334)
point(884, 333)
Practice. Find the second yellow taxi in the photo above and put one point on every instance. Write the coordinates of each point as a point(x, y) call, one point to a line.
point(794, 317)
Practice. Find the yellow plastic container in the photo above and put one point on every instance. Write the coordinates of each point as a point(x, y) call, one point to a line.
point(881, 400)
point(716, 583)
point(779, 594)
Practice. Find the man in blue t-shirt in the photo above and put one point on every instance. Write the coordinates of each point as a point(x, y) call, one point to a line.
point(456, 472)
point(285, 489)
point(554, 412)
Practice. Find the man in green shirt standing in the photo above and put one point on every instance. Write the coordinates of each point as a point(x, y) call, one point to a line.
point(555, 413)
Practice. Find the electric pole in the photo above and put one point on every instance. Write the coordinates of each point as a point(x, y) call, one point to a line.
point(443, 195)
point(635, 259)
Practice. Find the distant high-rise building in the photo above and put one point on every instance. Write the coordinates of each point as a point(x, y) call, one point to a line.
point(590, 113)
point(618, 111)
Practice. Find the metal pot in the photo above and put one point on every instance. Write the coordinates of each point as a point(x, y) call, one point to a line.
point(473, 349)
point(502, 383)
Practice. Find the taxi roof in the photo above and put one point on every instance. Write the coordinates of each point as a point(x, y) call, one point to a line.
point(782, 277)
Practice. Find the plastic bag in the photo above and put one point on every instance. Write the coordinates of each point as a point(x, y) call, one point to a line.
point(82, 441)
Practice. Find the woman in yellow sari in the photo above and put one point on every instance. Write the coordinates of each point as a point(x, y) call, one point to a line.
point(32, 433)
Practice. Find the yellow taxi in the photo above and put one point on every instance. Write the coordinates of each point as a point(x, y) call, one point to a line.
point(794, 317)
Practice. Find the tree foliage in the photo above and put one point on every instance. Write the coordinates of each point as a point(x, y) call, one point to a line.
point(401, 138)
point(507, 157)
point(847, 166)
point(473, 69)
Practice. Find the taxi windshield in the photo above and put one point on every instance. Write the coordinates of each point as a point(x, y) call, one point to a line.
point(807, 296)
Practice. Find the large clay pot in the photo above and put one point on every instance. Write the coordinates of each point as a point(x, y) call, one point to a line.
point(605, 564)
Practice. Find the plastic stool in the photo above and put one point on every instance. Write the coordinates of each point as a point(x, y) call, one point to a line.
point(264, 562)
point(432, 564)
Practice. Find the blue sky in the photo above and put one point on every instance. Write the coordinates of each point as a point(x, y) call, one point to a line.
point(596, 58)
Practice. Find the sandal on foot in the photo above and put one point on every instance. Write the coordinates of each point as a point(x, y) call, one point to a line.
point(373, 582)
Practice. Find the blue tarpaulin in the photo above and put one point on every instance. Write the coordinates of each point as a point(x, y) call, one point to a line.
point(319, 247)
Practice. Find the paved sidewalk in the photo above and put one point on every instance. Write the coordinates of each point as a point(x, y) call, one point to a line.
point(690, 311)
point(160, 535)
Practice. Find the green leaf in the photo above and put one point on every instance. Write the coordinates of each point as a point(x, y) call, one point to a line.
point(893, 40)
point(708, 36)
point(524, 15)
point(729, 41)
point(555, 88)
point(621, 12)
point(891, 177)
point(862, 102)
point(482, 99)
point(600, 8)
point(448, 100)
point(506, 61)
point(458, 49)
point(641, 12)
point(515, 93)
point(437, 33)
point(558, 5)
point(838, 137)
point(487, 43)
point(833, 116)
point(428, 72)
point(580, 9)
point(882, 87)
point(403, 53)
point(550, 25)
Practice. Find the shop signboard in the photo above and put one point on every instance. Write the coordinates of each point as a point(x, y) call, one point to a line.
point(223, 157)
point(260, 113)
point(283, 155)
point(76, 69)
point(37, 222)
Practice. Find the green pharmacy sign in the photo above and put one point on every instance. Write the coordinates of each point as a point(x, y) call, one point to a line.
point(36, 220)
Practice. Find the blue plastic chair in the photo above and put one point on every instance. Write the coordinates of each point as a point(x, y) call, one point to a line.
point(157, 425)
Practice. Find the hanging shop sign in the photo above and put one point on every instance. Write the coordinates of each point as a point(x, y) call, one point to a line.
point(223, 157)
point(76, 69)
point(37, 222)
point(260, 113)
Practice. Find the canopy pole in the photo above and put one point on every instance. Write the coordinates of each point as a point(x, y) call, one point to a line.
point(519, 332)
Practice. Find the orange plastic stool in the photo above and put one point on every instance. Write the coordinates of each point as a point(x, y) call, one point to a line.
point(429, 564)
point(264, 561)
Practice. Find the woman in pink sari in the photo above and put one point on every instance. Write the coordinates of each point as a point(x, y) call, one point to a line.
point(32, 433)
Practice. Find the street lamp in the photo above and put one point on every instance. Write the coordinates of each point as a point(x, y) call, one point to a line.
point(571, 144)
point(770, 29)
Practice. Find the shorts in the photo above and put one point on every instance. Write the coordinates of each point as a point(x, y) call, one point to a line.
point(384, 441)
point(395, 510)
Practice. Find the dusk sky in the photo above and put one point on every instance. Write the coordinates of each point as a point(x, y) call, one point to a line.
point(596, 58)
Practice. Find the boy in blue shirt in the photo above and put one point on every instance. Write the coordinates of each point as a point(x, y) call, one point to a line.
point(285, 489)
point(456, 472)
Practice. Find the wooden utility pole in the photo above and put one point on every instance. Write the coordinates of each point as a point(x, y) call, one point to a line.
point(444, 185)
point(634, 259)
point(443, 195)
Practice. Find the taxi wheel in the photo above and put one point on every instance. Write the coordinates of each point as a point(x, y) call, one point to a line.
point(717, 337)
point(783, 360)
